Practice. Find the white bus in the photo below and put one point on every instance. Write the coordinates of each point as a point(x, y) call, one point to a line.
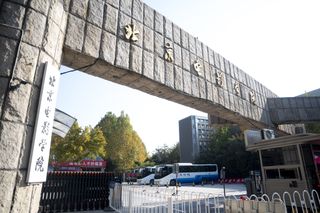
point(161, 173)
point(186, 173)
point(146, 175)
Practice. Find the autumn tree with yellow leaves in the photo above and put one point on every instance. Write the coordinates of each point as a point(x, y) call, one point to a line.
point(79, 144)
point(125, 148)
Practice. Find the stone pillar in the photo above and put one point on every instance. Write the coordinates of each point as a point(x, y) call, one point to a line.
point(31, 32)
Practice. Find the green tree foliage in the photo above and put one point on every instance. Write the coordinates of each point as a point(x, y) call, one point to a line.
point(78, 144)
point(313, 127)
point(166, 154)
point(228, 150)
point(124, 149)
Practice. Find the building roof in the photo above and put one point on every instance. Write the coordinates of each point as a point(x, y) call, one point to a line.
point(313, 93)
point(285, 141)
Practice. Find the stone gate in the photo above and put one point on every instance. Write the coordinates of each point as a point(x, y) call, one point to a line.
point(124, 41)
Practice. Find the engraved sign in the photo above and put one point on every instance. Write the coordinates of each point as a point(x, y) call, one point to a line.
point(168, 55)
point(131, 33)
point(237, 88)
point(252, 97)
point(219, 78)
point(197, 67)
point(39, 157)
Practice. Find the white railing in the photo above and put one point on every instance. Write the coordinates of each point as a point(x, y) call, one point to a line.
point(146, 199)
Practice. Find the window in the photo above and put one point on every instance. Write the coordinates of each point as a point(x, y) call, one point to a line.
point(288, 173)
point(280, 156)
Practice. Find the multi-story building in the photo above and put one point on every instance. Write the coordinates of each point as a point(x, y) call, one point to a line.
point(194, 135)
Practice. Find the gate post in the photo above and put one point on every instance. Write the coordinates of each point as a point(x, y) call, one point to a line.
point(31, 33)
point(130, 201)
point(170, 205)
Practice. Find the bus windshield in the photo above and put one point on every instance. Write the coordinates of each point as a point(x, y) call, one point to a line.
point(144, 172)
point(163, 171)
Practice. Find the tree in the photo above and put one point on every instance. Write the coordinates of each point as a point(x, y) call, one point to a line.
point(228, 150)
point(124, 148)
point(313, 127)
point(165, 154)
point(78, 144)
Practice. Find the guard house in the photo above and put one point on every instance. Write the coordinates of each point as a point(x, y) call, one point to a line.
point(289, 163)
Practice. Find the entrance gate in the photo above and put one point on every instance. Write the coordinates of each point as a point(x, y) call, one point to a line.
point(124, 41)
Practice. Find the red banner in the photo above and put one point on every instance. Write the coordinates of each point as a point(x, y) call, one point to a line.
point(83, 163)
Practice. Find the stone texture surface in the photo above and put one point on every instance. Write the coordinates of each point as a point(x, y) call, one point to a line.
point(9, 32)
point(125, 6)
point(7, 184)
point(75, 33)
point(52, 38)
point(159, 44)
point(177, 55)
point(114, 3)
point(26, 62)
point(12, 14)
point(178, 80)
point(3, 90)
point(124, 20)
point(169, 77)
point(34, 28)
point(11, 135)
point(136, 59)
point(122, 54)
point(148, 16)
point(187, 82)
point(108, 47)
point(185, 59)
point(148, 64)
point(7, 55)
point(158, 23)
point(22, 198)
point(167, 28)
point(79, 8)
point(110, 19)
point(194, 86)
point(92, 41)
point(137, 10)
point(95, 15)
point(148, 39)
point(159, 70)
point(16, 105)
point(40, 6)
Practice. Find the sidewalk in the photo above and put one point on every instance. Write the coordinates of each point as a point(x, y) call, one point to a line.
point(96, 211)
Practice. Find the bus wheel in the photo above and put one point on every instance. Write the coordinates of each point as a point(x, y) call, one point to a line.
point(172, 182)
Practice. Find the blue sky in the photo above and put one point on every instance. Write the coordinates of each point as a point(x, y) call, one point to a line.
point(276, 42)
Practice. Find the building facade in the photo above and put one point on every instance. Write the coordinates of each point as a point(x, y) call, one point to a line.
point(194, 136)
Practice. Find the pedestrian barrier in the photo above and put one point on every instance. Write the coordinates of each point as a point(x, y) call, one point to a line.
point(132, 199)
point(75, 191)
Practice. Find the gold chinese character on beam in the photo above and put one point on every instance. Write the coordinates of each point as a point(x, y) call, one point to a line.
point(168, 55)
point(252, 97)
point(219, 78)
point(131, 33)
point(237, 88)
point(197, 66)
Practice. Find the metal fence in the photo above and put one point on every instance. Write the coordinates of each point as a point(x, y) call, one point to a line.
point(75, 191)
point(130, 199)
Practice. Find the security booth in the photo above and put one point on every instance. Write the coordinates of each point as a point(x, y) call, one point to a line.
point(289, 163)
